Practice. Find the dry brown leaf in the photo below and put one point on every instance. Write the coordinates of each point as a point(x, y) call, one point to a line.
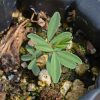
point(42, 15)
point(41, 22)
point(11, 43)
point(41, 19)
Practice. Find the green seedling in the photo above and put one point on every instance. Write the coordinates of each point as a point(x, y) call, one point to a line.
point(55, 47)
point(32, 57)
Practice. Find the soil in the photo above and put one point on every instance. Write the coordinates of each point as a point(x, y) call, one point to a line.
point(19, 83)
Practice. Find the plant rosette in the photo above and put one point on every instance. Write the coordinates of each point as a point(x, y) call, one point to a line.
point(55, 47)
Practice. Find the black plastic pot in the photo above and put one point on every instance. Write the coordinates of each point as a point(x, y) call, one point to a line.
point(48, 6)
point(6, 8)
point(88, 19)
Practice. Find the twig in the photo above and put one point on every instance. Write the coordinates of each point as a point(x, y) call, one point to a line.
point(8, 43)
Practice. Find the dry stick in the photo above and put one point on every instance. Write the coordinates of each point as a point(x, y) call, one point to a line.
point(6, 38)
point(9, 33)
point(15, 34)
point(32, 19)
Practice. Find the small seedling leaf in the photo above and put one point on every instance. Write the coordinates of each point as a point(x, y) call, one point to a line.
point(48, 65)
point(36, 39)
point(62, 36)
point(35, 70)
point(26, 57)
point(53, 25)
point(40, 43)
point(65, 61)
point(56, 68)
point(71, 57)
point(30, 49)
point(44, 48)
point(38, 53)
point(32, 64)
point(61, 40)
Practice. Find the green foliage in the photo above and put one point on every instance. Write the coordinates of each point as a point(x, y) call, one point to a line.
point(41, 44)
point(54, 67)
point(55, 47)
point(53, 25)
point(32, 56)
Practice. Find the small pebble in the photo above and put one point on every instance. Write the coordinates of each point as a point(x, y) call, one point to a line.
point(23, 80)
point(10, 77)
point(42, 84)
point(95, 71)
point(29, 98)
point(71, 96)
point(24, 65)
point(44, 77)
point(41, 61)
point(31, 87)
point(77, 82)
point(65, 87)
point(15, 70)
point(4, 77)
point(15, 14)
point(77, 90)
point(93, 78)
point(91, 49)
point(17, 80)
point(1, 72)
point(81, 69)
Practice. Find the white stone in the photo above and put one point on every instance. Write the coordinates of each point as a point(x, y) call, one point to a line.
point(44, 77)
point(10, 77)
point(31, 87)
point(4, 77)
point(65, 87)
point(24, 65)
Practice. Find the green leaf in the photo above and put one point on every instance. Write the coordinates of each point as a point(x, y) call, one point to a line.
point(26, 57)
point(67, 36)
point(37, 39)
point(55, 68)
point(30, 49)
point(64, 60)
point(35, 70)
point(48, 66)
point(61, 46)
point(53, 25)
point(44, 48)
point(61, 40)
point(32, 64)
point(41, 44)
point(72, 57)
point(68, 59)
point(38, 53)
